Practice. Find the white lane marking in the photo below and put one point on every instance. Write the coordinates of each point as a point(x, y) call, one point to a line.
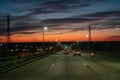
point(104, 79)
point(84, 64)
point(52, 65)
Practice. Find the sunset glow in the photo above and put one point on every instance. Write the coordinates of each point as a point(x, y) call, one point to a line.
point(64, 20)
point(97, 35)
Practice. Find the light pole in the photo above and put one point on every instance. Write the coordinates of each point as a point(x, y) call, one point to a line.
point(90, 47)
point(44, 29)
point(89, 38)
point(89, 33)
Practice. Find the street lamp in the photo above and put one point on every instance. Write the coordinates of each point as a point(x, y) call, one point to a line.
point(44, 29)
point(89, 38)
point(87, 35)
point(89, 41)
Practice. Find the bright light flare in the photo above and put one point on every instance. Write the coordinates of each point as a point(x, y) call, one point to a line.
point(56, 40)
point(87, 35)
point(45, 28)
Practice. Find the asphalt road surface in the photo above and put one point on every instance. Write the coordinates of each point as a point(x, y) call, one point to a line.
point(67, 67)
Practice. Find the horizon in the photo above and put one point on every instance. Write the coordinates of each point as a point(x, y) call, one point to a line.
point(60, 42)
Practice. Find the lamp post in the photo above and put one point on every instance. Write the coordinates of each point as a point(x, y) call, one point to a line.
point(89, 38)
point(90, 45)
point(44, 29)
point(89, 33)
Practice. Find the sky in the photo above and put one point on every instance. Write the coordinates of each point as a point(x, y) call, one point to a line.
point(66, 20)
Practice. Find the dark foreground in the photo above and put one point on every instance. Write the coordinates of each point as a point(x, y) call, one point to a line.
point(67, 67)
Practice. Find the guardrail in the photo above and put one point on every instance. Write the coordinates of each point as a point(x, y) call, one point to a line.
point(15, 61)
point(11, 62)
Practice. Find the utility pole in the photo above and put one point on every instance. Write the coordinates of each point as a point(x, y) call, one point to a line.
point(8, 29)
point(89, 40)
point(90, 45)
point(89, 33)
point(43, 40)
point(44, 29)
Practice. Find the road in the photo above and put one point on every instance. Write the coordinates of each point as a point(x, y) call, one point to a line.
point(66, 67)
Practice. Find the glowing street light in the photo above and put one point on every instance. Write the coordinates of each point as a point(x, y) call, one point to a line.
point(89, 40)
point(56, 40)
point(87, 35)
point(44, 29)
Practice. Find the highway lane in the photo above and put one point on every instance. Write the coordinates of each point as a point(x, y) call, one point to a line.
point(66, 67)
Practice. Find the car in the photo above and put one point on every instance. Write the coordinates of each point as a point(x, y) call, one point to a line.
point(92, 54)
point(77, 52)
point(66, 51)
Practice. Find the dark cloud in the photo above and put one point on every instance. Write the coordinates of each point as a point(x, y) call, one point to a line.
point(27, 23)
point(104, 14)
point(19, 23)
point(58, 6)
point(56, 24)
point(104, 27)
point(57, 33)
point(107, 24)
point(20, 27)
point(19, 1)
point(68, 29)
point(68, 20)
point(23, 26)
point(69, 2)
point(108, 19)
point(112, 23)
point(48, 6)
point(27, 32)
point(65, 30)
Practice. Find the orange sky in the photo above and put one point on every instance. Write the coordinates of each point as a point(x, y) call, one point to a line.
point(97, 35)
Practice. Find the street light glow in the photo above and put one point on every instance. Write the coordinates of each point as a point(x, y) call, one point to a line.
point(87, 35)
point(45, 28)
point(56, 40)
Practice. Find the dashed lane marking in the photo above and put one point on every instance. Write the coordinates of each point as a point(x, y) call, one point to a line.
point(52, 65)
